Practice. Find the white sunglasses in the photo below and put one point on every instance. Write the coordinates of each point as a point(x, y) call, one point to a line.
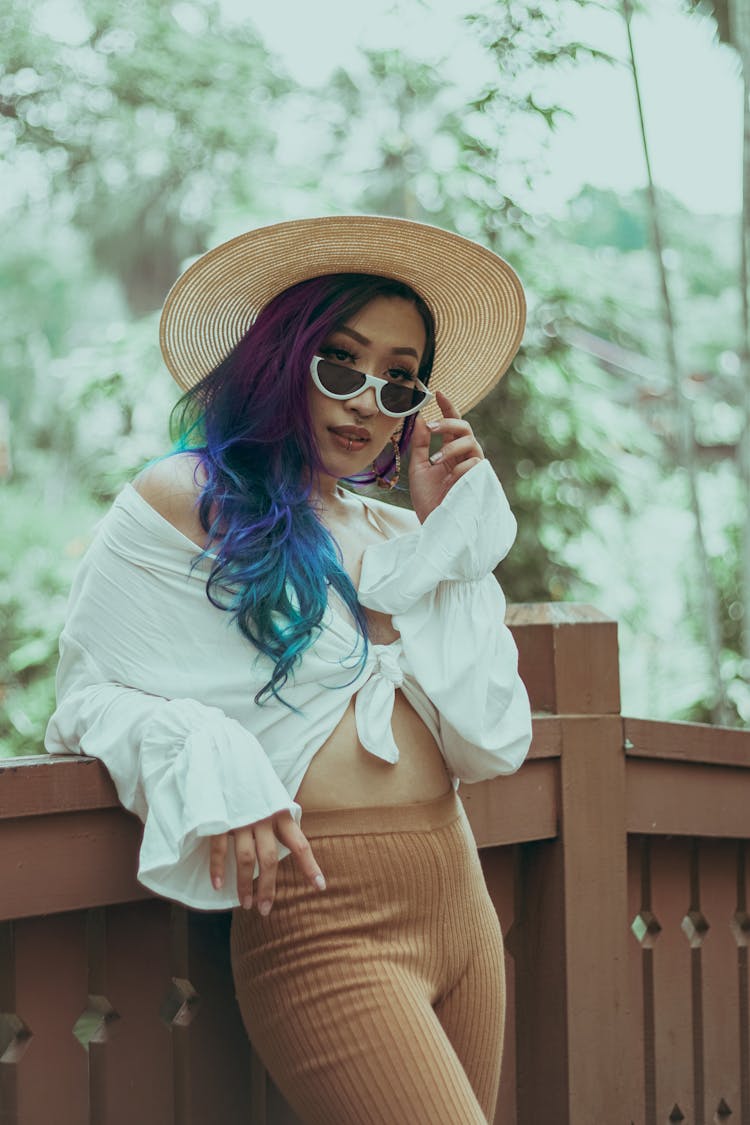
point(395, 399)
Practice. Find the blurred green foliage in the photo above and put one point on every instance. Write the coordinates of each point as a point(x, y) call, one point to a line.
point(144, 120)
point(38, 559)
point(138, 134)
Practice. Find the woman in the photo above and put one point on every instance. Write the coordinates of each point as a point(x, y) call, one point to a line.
point(287, 680)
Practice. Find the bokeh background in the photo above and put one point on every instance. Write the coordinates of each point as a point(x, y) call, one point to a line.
point(597, 146)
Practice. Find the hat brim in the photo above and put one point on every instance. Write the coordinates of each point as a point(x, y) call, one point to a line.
point(475, 297)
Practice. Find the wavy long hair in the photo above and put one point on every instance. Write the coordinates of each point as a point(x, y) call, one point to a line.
point(249, 423)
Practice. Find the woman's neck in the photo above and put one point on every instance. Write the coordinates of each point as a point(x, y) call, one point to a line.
point(327, 496)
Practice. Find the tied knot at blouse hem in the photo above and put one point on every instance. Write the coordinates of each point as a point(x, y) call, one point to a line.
point(159, 684)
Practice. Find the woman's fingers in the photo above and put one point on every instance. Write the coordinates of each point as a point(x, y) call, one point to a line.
point(244, 850)
point(419, 448)
point(259, 842)
point(290, 834)
point(459, 450)
point(219, 846)
point(459, 440)
point(450, 427)
point(464, 467)
point(447, 409)
point(268, 862)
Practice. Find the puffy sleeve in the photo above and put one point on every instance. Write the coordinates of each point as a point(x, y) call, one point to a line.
point(185, 768)
point(438, 585)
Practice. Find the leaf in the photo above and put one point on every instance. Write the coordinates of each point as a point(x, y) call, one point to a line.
point(35, 652)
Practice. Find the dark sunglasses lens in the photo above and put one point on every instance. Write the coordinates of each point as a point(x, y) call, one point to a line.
point(399, 399)
point(337, 379)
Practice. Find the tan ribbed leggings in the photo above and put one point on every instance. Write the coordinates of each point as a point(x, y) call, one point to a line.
point(379, 1001)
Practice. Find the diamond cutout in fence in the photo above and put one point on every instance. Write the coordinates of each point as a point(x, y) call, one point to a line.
point(94, 1024)
point(15, 1037)
point(180, 1003)
point(741, 927)
point(695, 927)
point(676, 1114)
point(646, 928)
point(723, 1113)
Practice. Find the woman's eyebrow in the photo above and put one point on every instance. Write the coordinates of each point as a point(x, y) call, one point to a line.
point(365, 342)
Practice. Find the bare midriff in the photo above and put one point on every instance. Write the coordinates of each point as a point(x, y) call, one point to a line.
point(345, 775)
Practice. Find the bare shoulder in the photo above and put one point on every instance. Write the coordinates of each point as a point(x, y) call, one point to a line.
point(172, 487)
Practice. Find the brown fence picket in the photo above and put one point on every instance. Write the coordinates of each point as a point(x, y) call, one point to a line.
point(721, 1002)
point(45, 1073)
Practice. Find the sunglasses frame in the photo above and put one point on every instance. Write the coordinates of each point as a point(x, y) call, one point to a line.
point(369, 381)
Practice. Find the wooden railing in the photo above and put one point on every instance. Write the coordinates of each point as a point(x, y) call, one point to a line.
point(618, 859)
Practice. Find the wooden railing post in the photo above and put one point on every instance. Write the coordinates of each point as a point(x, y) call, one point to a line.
point(567, 657)
point(571, 942)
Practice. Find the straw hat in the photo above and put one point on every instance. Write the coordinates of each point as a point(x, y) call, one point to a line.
point(475, 297)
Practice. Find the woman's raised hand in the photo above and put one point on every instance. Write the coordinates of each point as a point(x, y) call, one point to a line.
point(430, 478)
point(258, 841)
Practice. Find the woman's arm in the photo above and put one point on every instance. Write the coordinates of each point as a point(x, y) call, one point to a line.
point(438, 585)
point(188, 771)
point(134, 650)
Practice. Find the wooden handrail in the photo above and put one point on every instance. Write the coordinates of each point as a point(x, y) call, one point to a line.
point(687, 742)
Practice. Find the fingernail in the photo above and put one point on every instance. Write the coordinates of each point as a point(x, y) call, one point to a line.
point(320, 882)
point(218, 882)
point(436, 457)
point(432, 425)
point(247, 902)
point(265, 908)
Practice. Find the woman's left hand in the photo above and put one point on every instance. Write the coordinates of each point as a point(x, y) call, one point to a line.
point(431, 478)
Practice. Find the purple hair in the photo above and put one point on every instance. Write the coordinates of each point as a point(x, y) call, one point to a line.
point(249, 420)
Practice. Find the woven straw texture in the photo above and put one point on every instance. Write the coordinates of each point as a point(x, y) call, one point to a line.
point(476, 298)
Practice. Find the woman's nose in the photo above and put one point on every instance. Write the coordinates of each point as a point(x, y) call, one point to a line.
point(366, 402)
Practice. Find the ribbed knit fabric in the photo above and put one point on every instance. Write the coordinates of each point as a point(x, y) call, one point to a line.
point(381, 1000)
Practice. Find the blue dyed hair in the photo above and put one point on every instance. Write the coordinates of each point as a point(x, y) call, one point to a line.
point(249, 423)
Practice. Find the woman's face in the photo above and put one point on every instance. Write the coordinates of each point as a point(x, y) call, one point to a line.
point(386, 338)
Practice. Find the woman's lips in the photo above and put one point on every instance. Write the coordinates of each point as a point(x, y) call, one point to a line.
point(348, 443)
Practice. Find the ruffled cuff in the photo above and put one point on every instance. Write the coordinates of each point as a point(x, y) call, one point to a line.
point(203, 774)
point(463, 539)
point(186, 770)
point(471, 760)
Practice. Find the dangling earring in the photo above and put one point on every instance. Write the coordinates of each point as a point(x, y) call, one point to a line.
point(381, 481)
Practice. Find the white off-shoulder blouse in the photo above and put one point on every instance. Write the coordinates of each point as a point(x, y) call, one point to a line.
point(159, 684)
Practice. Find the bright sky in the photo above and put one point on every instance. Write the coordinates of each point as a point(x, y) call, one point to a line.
point(690, 85)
